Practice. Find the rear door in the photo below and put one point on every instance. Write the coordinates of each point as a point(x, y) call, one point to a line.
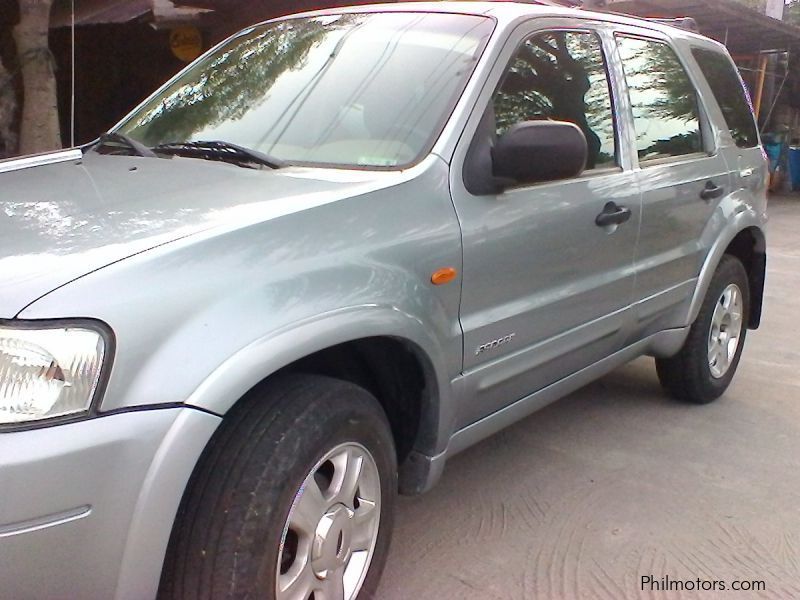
point(680, 170)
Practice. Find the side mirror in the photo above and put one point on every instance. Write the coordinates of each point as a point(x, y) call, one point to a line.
point(537, 151)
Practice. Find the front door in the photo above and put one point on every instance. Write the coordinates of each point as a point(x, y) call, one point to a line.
point(546, 290)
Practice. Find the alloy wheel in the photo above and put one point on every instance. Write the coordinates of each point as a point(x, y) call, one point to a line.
point(330, 533)
point(726, 330)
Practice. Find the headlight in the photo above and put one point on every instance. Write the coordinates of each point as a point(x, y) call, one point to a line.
point(48, 372)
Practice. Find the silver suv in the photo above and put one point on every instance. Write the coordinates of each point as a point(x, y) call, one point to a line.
point(333, 252)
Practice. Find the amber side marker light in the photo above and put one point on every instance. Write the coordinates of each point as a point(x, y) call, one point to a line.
point(444, 275)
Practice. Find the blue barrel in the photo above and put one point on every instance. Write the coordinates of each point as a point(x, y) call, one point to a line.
point(794, 166)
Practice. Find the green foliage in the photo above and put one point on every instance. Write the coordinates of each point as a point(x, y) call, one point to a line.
point(791, 12)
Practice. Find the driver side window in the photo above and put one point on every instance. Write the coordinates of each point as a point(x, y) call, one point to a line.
point(561, 76)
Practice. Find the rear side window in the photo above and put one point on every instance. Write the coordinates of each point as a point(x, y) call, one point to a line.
point(730, 94)
point(664, 101)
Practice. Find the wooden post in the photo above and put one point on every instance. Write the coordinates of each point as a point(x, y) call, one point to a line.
point(762, 73)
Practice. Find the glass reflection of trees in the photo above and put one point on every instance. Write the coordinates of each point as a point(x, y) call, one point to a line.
point(561, 76)
point(366, 89)
point(663, 99)
point(226, 85)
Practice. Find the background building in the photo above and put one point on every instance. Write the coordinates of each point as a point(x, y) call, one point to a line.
point(125, 48)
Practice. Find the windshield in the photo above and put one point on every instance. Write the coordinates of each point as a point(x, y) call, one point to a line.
point(367, 90)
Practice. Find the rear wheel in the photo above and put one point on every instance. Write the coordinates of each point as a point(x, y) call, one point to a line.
point(707, 362)
point(293, 499)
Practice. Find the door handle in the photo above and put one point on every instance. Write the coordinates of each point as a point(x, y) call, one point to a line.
point(711, 191)
point(612, 215)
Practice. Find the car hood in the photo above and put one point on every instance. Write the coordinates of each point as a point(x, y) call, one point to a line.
point(61, 221)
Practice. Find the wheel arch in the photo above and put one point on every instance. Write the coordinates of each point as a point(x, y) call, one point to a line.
point(381, 349)
point(370, 332)
point(747, 243)
point(749, 246)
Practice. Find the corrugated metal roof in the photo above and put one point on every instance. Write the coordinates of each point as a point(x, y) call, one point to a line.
point(742, 30)
point(99, 12)
point(165, 12)
point(104, 12)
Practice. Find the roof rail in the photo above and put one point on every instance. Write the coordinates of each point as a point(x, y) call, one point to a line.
point(687, 23)
point(558, 3)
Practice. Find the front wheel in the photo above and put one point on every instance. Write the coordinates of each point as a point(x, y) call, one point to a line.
point(706, 363)
point(292, 500)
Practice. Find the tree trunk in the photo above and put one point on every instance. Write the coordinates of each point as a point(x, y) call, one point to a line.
point(39, 129)
point(8, 112)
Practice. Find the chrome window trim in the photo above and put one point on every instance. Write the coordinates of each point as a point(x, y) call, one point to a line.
point(37, 160)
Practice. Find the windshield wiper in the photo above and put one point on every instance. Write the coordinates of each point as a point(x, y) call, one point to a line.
point(115, 139)
point(217, 150)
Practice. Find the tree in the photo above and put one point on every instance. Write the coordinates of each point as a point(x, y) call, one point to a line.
point(791, 13)
point(791, 10)
point(39, 128)
point(8, 114)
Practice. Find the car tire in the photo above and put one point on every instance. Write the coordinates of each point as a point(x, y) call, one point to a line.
point(299, 481)
point(706, 364)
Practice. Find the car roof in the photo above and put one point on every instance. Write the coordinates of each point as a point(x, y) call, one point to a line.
point(508, 11)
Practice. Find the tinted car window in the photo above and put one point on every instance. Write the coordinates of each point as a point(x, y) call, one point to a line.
point(369, 90)
point(731, 95)
point(561, 76)
point(663, 99)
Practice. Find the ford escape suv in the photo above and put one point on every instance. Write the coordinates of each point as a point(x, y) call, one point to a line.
point(333, 252)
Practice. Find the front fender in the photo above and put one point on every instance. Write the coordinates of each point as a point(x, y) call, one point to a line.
point(204, 319)
point(250, 365)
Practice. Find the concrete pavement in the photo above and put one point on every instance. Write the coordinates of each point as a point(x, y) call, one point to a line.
point(617, 482)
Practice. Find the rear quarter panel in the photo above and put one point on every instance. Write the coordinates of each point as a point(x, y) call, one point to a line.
point(745, 206)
